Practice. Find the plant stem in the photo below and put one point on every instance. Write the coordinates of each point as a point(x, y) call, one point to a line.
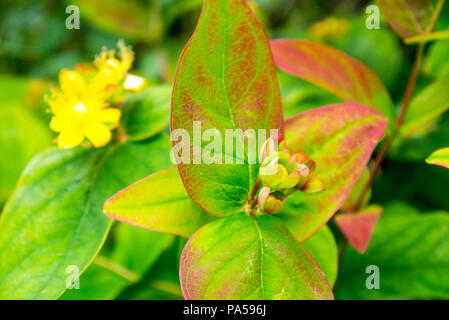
point(116, 268)
point(255, 189)
point(435, 15)
point(399, 122)
point(384, 150)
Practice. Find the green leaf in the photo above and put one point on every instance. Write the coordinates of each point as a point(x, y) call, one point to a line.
point(323, 248)
point(97, 283)
point(54, 218)
point(146, 113)
point(130, 19)
point(440, 158)
point(341, 139)
point(159, 202)
point(248, 257)
point(162, 281)
point(436, 63)
point(225, 79)
point(21, 137)
point(412, 253)
point(134, 252)
point(335, 71)
point(426, 37)
point(428, 105)
point(407, 17)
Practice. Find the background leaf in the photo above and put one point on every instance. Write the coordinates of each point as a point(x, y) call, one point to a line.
point(19, 127)
point(159, 202)
point(412, 253)
point(225, 79)
point(60, 197)
point(407, 17)
point(341, 139)
point(146, 113)
point(333, 70)
point(247, 257)
point(323, 248)
point(134, 249)
point(358, 227)
point(440, 158)
point(131, 19)
point(425, 107)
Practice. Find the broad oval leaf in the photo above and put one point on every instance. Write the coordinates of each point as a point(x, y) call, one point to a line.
point(411, 252)
point(341, 139)
point(225, 80)
point(425, 107)
point(146, 113)
point(440, 158)
point(335, 71)
point(248, 257)
point(60, 196)
point(159, 202)
point(407, 17)
point(323, 248)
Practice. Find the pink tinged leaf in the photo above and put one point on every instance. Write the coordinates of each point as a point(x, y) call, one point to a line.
point(407, 17)
point(227, 80)
point(334, 71)
point(358, 227)
point(249, 257)
point(158, 202)
point(341, 139)
point(440, 158)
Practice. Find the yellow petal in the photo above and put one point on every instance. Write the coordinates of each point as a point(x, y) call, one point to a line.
point(109, 115)
point(71, 138)
point(97, 133)
point(57, 123)
point(71, 81)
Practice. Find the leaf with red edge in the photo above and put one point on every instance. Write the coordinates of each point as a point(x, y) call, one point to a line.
point(249, 257)
point(358, 227)
point(341, 139)
point(159, 202)
point(439, 158)
point(334, 71)
point(407, 17)
point(226, 79)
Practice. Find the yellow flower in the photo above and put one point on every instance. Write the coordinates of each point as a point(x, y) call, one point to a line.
point(111, 71)
point(80, 111)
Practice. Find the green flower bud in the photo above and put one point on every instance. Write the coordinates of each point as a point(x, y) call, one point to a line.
point(290, 181)
point(272, 175)
point(269, 203)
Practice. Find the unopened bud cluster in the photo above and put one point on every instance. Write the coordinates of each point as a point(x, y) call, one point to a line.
point(282, 173)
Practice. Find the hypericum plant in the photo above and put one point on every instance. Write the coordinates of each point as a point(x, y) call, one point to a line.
point(226, 79)
point(248, 224)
